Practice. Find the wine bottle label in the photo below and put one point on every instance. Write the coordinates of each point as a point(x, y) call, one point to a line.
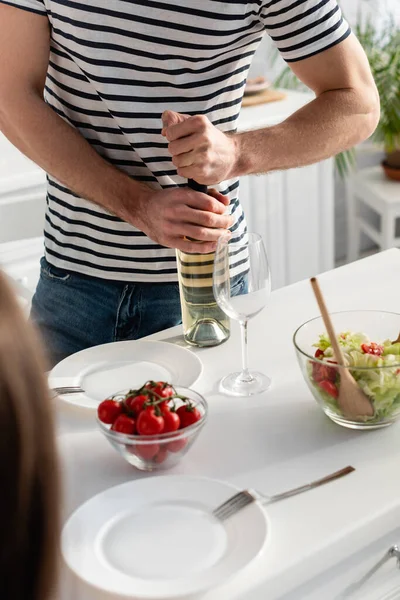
point(196, 270)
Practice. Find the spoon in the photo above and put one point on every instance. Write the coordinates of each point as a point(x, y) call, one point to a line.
point(351, 399)
point(397, 341)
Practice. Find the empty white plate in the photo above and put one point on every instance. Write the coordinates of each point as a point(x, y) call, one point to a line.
point(107, 369)
point(156, 538)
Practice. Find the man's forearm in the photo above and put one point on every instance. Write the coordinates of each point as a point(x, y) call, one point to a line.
point(37, 131)
point(334, 121)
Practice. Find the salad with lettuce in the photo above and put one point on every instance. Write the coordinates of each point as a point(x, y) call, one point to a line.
point(375, 367)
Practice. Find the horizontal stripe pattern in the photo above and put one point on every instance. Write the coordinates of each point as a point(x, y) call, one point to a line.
point(302, 28)
point(116, 66)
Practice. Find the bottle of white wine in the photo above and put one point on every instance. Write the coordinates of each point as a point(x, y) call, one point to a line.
point(204, 323)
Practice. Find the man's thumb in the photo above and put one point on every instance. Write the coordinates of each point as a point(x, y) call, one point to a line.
point(170, 117)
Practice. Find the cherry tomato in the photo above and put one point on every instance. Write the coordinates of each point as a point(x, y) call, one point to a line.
point(161, 388)
point(147, 451)
point(135, 403)
point(171, 419)
point(319, 353)
point(372, 348)
point(188, 415)
point(329, 387)
point(177, 445)
point(149, 423)
point(323, 372)
point(163, 405)
point(124, 424)
point(161, 456)
point(109, 410)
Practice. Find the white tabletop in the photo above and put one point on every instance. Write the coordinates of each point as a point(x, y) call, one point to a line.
point(274, 442)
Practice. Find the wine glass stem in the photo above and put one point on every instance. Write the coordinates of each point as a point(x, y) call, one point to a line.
point(245, 374)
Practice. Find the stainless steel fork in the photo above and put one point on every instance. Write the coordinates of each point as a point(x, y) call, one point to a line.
point(393, 552)
point(72, 389)
point(237, 502)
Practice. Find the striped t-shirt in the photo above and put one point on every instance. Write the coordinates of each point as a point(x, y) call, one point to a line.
point(116, 65)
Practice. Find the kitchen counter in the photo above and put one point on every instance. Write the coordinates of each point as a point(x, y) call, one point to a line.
point(272, 113)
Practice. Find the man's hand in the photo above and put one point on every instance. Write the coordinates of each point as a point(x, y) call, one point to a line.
point(199, 150)
point(344, 113)
point(168, 217)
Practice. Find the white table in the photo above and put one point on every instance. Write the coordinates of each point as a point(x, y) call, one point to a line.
point(274, 442)
point(371, 188)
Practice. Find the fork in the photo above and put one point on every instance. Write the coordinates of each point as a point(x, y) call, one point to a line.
point(393, 552)
point(237, 502)
point(72, 389)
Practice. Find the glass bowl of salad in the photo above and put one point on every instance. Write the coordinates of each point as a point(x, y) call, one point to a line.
point(366, 339)
point(154, 426)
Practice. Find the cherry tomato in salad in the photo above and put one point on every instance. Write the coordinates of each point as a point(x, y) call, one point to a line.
point(171, 419)
point(319, 353)
point(329, 387)
point(135, 403)
point(188, 415)
point(124, 424)
point(322, 372)
point(372, 348)
point(146, 451)
point(109, 410)
point(149, 422)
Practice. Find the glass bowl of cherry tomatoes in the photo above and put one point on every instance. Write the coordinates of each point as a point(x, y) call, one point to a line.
point(154, 426)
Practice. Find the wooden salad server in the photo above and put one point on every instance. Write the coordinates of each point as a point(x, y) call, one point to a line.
point(351, 399)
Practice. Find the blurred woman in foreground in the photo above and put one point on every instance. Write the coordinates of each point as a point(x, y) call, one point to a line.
point(29, 497)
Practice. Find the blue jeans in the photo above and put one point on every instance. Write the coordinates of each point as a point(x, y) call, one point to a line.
point(74, 311)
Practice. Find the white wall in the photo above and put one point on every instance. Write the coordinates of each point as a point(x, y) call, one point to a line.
point(379, 8)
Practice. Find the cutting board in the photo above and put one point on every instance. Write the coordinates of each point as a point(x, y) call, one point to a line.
point(270, 95)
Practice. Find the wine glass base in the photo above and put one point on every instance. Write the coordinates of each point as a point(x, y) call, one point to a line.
point(235, 385)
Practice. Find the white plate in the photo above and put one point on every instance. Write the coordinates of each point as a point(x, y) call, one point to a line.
point(155, 538)
point(109, 368)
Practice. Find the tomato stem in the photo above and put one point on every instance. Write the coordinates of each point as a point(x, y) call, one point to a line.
point(154, 399)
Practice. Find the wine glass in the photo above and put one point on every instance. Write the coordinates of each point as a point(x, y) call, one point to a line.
point(241, 285)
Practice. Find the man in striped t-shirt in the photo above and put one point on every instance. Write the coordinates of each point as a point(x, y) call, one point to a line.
point(83, 88)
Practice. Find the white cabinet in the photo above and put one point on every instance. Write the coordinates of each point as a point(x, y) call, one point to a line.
point(22, 195)
point(292, 210)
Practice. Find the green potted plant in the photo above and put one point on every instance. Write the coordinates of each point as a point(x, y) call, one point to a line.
point(382, 46)
point(383, 51)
